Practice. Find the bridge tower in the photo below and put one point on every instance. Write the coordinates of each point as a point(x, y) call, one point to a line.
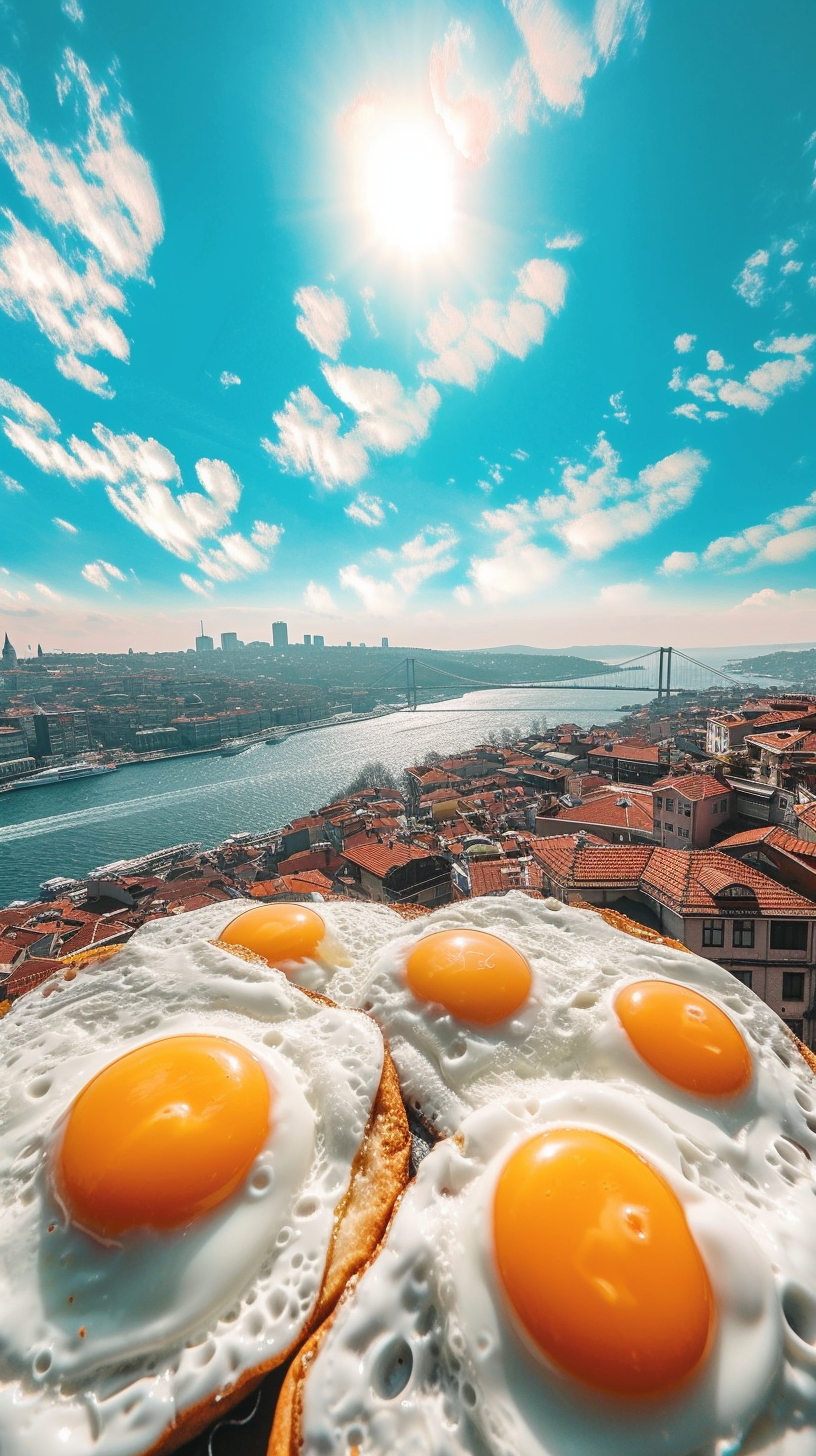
point(410, 683)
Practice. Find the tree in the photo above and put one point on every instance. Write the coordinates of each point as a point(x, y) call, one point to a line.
point(372, 775)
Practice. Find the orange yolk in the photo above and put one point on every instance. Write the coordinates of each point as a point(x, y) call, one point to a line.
point(163, 1135)
point(685, 1038)
point(599, 1264)
point(476, 977)
point(278, 933)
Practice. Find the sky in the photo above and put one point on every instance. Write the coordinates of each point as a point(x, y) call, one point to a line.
point(464, 324)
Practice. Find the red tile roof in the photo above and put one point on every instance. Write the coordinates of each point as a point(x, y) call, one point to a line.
point(694, 786)
point(378, 859)
point(618, 810)
point(496, 877)
point(775, 835)
point(806, 814)
point(627, 753)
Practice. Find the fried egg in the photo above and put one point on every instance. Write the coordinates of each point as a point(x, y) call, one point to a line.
point(484, 999)
point(582, 1272)
point(178, 1129)
point(321, 946)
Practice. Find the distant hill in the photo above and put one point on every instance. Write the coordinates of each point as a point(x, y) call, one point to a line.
point(616, 651)
point(436, 672)
point(788, 667)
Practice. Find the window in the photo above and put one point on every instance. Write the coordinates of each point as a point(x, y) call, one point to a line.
point(657, 824)
point(796, 1027)
point(743, 933)
point(659, 801)
point(789, 935)
point(723, 806)
point(687, 811)
point(669, 828)
point(670, 806)
point(745, 976)
point(714, 810)
point(713, 932)
point(793, 986)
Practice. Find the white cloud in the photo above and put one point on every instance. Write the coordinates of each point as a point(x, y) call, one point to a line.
point(73, 10)
point(463, 596)
point(101, 573)
point(789, 344)
point(623, 595)
point(98, 198)
point(619, 410)
point(466, 345)
point(427, 554)
point(804, 597)
point(712, 414)
point(367, 509)
point(519, 455)
point(228, 380)
point(65, 526)
point(567, 241)
point(319, 599)
point(677, 563)
point(378, 597)
point(517, 568)
point(368, 295)
point(143, 482)
point(390, 419)
point(792, 266)
point(752, 282)
point(560, 55)
point(323, 320)
point(10, 484)
point(598, 508)
point(45, 591)
point(760, 387)
point(787, 535)
point(195, 586)
point(684, 343)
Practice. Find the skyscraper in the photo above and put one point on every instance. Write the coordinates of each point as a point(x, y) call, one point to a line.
point(280, 634)
point(319, 641)
point(384, 642)
point(307, 639)
point(230, 642)
point(203, 643)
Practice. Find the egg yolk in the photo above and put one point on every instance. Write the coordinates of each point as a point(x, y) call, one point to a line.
point(163, 1135)
point(476, 977)
point(685, 1038)
point(598, 1263)
point(277, 933)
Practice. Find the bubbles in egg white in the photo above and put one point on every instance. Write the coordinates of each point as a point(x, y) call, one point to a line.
point(355, 933)
point(567, 1028)
point(170, 1319)
point(424, 1354)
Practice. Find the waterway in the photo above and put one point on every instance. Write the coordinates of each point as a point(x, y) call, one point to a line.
point(68, 829)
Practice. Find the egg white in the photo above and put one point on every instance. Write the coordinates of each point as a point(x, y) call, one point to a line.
point(568, 1027)
point(170, 1319)
point(426, 1354)
point(355, 933)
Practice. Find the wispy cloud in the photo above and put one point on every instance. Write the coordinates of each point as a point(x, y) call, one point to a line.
point(560, 55)
point(97, 197)
point(367, 509)
point(623, 596)
point(389, 420)
point(564, 241)
point(766, 271)
point(677, 563)
point(684, 343)
point(143, 482)
point(466, 345)
point(201, 588)
point(10, 484)
point(619, 410)
point(319, 599)
point(228, 380)
point(65, 526)
point(427, 554)
point(785, 536)
point(323, 320)
point(46, 591)
point(367, 295)
point(796, 600)
point(101, 573)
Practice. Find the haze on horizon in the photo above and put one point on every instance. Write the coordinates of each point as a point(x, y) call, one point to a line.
point(462, 325)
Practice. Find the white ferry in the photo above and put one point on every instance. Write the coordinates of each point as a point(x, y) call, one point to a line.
point(64, 774)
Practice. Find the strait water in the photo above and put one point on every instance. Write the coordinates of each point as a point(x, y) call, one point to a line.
point(70, 828)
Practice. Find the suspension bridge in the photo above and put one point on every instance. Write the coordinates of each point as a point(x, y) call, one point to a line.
point(662, 672)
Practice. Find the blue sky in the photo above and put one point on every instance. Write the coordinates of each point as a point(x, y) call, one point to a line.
point(464, 324)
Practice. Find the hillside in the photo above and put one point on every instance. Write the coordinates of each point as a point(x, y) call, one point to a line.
point(785, 667)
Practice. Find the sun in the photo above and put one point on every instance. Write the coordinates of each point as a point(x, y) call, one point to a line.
point(408, 186)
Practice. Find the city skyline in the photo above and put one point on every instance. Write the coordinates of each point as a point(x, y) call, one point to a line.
point(498, 327)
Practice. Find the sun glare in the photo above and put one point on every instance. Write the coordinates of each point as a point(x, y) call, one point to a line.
point(408, 187)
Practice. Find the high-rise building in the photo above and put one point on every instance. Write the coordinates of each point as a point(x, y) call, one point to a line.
point(61, 733)
point(203, 643)
point(230, 642)
point(384, 642)
point(318, 641)
point(280, 634)
point(307, 639)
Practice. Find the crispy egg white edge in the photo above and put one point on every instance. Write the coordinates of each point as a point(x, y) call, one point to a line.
point(425, 1353)
point(335, 1058)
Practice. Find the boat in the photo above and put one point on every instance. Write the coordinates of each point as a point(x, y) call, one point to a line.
point(229, 750)
point(64, 774)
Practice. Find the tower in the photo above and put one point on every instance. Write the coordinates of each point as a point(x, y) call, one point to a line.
point(8, 655)
point(280, 634)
